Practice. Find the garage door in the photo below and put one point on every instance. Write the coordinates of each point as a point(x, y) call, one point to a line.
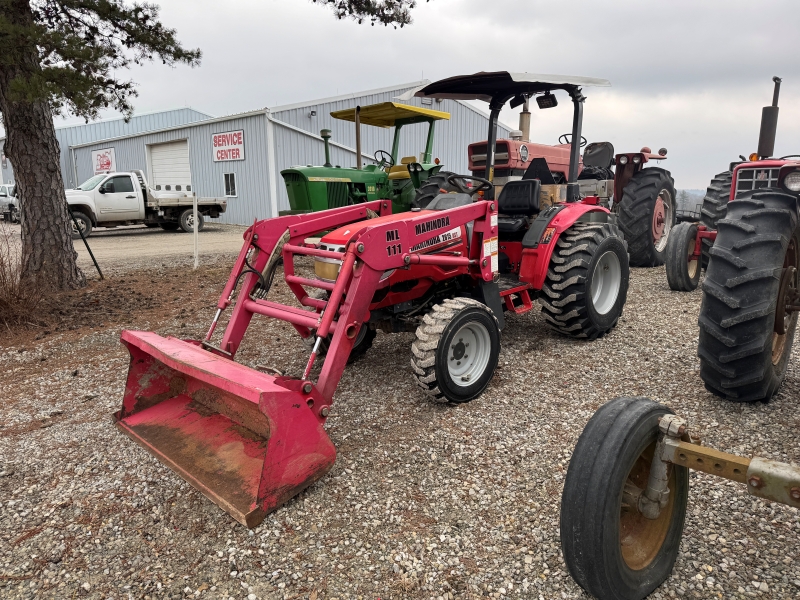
point(170, 163)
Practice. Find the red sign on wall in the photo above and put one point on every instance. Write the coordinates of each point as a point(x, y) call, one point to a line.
point(228, 146)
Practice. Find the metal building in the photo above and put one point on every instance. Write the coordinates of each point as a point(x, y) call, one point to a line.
point(241, 156)
point(71, 135)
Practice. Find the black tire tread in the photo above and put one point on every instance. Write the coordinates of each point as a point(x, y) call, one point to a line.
point(431, 188)
point(677, 266)
point(563, 297)
point(428, 336)
point(715, 206)
point(740, 296)
point(635, 214)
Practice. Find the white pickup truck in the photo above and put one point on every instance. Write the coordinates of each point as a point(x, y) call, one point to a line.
point(9, 206)
point(114, 199)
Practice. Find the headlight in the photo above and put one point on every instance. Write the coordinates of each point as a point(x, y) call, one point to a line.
point(637, 159)
point(792, 181)
point(327, 269)
point(623, 160)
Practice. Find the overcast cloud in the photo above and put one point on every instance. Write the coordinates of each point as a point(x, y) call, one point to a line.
point(691, 76)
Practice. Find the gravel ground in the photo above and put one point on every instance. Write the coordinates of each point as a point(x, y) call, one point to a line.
point(425, 501)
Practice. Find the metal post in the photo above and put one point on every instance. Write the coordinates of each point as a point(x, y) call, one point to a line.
point(194, 206)
point(491, 142)
point(429, 142)
point(358, 137)
point(85, 243)
point(573, 193)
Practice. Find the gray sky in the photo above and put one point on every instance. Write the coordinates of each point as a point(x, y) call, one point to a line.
point(691, 76)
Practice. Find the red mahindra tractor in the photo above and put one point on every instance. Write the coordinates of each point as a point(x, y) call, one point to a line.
point(643, 198)
point(251, 440)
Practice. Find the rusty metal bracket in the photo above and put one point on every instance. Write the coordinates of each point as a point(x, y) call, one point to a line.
point(773, 480)
point(706, 460)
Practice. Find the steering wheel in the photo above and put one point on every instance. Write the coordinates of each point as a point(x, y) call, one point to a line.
point(458, 182)
point(384, 159)
point(567, 137)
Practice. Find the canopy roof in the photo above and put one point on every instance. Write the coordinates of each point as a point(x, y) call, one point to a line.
point(386, 114)
point(501, 84)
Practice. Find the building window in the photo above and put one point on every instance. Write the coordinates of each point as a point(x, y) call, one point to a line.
point(177, 188)
point(188, 188)
point(230, 185)
point(158, 187)
point(168, 187)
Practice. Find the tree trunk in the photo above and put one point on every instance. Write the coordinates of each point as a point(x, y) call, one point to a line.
point(48, 257)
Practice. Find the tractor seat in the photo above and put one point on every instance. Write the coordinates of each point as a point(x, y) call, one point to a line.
point(518, 201)
point(598, 154)
point(401, 171)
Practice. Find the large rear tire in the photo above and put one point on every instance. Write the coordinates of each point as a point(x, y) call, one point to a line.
point(611, 550)
point(647, 215)
point(715, 205)
point(746, 334)
point(431, 188)
point(456, 351)
point(683, 275)
point(587, 281)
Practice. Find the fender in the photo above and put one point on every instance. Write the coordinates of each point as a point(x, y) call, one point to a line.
point(543, 234)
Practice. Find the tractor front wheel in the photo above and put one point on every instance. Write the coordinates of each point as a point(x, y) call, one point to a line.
point(647, 215)
point(683, 273)
point(611, 549)
point(587, 281)
point(456, 351)
point(748, 316)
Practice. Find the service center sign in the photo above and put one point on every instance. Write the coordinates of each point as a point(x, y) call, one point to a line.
point(228, 146)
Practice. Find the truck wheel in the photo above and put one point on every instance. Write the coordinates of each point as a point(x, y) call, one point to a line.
point(587, 281)
point(431, 188)
point(84, 223)
point(186, 221)
point(715, 205)
point(456, 351)
point(683, 275)
point(647, 215)
point(746, 328)
point(611, 550)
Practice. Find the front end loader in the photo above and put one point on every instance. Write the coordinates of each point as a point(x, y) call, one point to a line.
point(250, 440)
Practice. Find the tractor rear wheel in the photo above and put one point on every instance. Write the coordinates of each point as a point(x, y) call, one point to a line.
point(683, 274)
point(715, 205)
point(611, 550)
point(587, 280)
point(431, 188)
point(456, 351)
point(746, 324)
point(647, 215)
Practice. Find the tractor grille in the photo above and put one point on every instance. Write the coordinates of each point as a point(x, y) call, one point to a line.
point(755, 179)
point(477, 155)
point(338, 194)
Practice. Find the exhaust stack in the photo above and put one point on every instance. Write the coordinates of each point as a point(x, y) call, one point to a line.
point(769, 124)
point(525, 122)
point(325, 134)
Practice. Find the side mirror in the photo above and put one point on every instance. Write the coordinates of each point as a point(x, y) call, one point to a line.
point(102, 189)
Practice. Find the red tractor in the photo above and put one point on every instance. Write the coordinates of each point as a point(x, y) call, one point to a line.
point(750, 246)
point(250, 440)
point(643, 198)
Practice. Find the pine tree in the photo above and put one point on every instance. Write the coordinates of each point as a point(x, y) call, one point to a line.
point(65, 57)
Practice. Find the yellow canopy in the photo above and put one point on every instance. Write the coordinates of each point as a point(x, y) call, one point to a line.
point(386, 114)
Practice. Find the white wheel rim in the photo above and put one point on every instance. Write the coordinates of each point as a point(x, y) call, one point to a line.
point(81, 226)
point(190, 220)
point(468, 354)
point(606, 281)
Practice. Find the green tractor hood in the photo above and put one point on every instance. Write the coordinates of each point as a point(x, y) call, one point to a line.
point(319, 188)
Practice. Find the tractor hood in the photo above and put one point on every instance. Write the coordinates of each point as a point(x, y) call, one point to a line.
point(332, 174)
point(342, 236)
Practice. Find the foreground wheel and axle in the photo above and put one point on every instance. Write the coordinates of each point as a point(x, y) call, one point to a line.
point(625, 496)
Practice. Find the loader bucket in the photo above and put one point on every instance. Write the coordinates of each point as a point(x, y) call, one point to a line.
point(247, 440)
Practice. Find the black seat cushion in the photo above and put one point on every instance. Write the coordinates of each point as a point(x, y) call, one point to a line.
point(598, 154)
point(520, 198)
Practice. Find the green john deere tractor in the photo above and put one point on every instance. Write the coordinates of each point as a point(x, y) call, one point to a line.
point(318, 188)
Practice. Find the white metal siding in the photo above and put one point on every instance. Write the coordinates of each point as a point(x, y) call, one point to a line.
point(170, 165)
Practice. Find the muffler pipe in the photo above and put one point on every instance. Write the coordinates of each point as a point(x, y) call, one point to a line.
point(325, 134)
point(769, 124)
